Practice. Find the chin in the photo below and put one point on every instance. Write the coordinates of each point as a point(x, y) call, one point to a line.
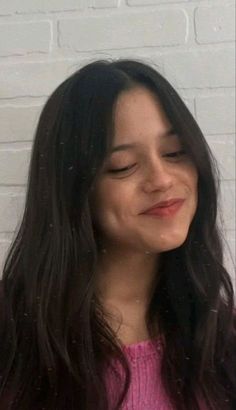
point(170, 247)
point(169, 242)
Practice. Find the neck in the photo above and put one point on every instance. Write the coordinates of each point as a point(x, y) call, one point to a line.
point(126, 277)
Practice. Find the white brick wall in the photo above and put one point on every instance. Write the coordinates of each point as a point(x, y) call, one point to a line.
point(201, 68)
point(39, 6)
point(215, 24)
point(103, 3)
point(24, 38)
point(216, 113)
point(17, 123)
point(136, 30)
point(43, 41)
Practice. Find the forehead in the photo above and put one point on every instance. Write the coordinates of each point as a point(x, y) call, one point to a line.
point(138, 114)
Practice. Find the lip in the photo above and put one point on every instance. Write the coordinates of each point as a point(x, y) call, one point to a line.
point(165, 208)
point(166, 203)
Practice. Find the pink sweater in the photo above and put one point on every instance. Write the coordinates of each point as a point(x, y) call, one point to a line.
point(146, 390)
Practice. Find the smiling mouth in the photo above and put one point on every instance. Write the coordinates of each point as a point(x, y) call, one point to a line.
point(165, 211)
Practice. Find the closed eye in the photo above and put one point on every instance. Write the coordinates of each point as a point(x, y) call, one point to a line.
point(175, 154)
point(114, 170)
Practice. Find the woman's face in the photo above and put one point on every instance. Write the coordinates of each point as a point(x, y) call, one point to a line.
point(145, 167)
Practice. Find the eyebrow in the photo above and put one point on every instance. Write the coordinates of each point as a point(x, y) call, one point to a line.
point(124, 147)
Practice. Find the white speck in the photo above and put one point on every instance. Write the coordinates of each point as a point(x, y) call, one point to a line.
point(217, 28)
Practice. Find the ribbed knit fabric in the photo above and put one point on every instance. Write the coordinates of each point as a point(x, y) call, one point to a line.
point(146, 391)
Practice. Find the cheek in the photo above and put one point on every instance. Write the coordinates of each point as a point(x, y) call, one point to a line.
point(190, 176)
point(195, 182)
point(193, 187)
point(111, 203)
point(188, 179)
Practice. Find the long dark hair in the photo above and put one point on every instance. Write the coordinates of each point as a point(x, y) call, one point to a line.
point(55, 340)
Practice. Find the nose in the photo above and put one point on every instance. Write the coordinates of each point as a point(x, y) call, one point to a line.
point(157, 176)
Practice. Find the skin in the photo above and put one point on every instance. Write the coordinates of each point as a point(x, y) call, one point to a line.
point(132, 242)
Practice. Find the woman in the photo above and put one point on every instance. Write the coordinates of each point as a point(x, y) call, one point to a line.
point(114, 294)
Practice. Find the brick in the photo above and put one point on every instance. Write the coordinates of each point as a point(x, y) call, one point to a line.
point(33, 79)
point(216, 114)
point(18, 123)
point(11, 207)
point(29, 6)
point(227, 201)
point(215, 24)
point(124, 31)
point(223, 148)
point(24, 38)
point(151, 2)
point(99, 4)
point(14, 162)
point(6, 236)
point(229, 255)
point(201, 68)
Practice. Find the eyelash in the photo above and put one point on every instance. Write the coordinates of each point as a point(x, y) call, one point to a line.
point(175, 154)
